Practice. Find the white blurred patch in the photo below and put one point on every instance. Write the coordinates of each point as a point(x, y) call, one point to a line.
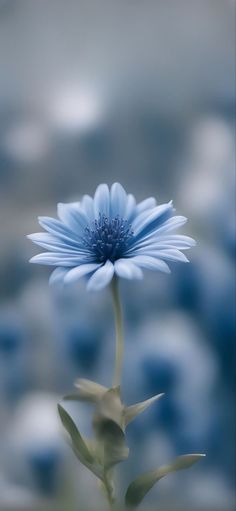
point(211, 489)
point(213, 143)
point(208, 173)
point(157, 451)
point(25, 142)
point(15, 496)
point(36, 421)
point(76, 110)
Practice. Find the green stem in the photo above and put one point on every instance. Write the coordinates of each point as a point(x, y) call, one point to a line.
point(110, 497)
point(119, 332)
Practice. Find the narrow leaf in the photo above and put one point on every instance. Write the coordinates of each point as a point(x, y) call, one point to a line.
point(111, 441)
point(132, 411)
point(141, 486)
point(107, 487)
point(108, 424)
point(77, 441)
point(89, 390)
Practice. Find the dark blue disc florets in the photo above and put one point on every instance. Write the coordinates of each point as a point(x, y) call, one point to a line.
point(107, 239)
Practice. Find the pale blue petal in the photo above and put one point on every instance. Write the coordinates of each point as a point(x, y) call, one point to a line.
point(172, 223)
point(163, 243)
point(127, 269)
point(51, 242)
point(186, 241)
point(118, 200)
point(101, 277)
point(50, 258)
point(58, 228)
point(102, 201)
point(80, 271)
point(58, 259)
point(149, 203)
point(73, 216)
point(149, 220)
point(177, 244)
point(171, 255)
point(151, 247)
point(168, 226)
point(87, 207)
point(151, 263)
point(57, 276)
point(178, 241)
point(130, 207)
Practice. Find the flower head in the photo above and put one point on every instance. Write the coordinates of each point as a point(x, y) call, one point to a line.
point(110, 234)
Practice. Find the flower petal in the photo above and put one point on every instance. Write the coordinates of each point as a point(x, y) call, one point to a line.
point(80, 271)
point(168, 241)
point(118, 200)
point(127, 269)
point(73, 216)
point(50, 258)
point(59, 259)
point(101, 277)
point(151, 263)
point(130, 207)
point(167, 226)
point(172, 239)
point(87, 207)
point(102, 201)
point(149, 220)
point(172, 223)
point(51, 242)
point(171, 255)
point(146, 204)
point(57, 276)
point(58, 228)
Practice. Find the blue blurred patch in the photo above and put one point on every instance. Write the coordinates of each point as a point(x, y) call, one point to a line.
point(168, 415)
point(44, 463)
point(160, 374)
point(83, 346)
point(10, 339)
point(187, 286)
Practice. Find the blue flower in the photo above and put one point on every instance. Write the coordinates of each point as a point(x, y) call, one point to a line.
point(110, 234)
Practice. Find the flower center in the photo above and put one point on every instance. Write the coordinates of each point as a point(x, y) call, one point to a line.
point(107, 239)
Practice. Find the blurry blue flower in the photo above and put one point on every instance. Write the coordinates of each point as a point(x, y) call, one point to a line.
point(110, 234)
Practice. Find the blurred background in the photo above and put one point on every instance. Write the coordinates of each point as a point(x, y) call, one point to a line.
point(142, 93)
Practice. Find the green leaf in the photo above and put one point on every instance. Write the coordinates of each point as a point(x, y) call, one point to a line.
point(89, 390)
point(78, 443)
point(141, 486)
point(108, 423)
point(107, 487)
point(132, 411)
point(111, 441)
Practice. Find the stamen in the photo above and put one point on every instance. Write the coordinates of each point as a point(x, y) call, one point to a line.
point(107, 239)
